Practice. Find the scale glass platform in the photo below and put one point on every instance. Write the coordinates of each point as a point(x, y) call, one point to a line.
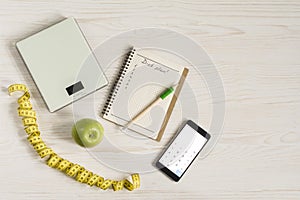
point(62, 64)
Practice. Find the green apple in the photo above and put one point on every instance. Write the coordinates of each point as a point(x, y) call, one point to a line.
point(87, 132)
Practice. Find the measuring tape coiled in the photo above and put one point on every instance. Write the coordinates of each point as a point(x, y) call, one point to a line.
point(53, 160)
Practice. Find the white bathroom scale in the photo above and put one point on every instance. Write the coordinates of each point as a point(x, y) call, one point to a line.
point(62, 64)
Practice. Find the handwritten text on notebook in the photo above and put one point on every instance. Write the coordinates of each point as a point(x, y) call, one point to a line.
point(151, 64)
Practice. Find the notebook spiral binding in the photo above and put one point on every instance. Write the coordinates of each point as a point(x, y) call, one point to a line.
point(117, 83)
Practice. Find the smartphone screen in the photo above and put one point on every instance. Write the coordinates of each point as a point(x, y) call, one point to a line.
point(183, 150)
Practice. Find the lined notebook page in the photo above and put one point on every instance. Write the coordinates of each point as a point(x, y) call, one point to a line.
point(144, 79)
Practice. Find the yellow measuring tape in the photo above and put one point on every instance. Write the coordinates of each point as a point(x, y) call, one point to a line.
point(73, 170)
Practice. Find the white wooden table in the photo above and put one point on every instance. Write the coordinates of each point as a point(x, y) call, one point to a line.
point(255, 47)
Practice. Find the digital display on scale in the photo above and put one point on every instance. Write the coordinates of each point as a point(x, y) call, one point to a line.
point(74, 88)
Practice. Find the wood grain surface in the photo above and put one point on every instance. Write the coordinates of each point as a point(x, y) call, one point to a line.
point(255, 46)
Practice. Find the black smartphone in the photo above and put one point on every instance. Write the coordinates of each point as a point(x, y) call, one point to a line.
point(183, 150)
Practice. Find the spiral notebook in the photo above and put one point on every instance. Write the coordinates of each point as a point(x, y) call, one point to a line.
point(141, 79)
